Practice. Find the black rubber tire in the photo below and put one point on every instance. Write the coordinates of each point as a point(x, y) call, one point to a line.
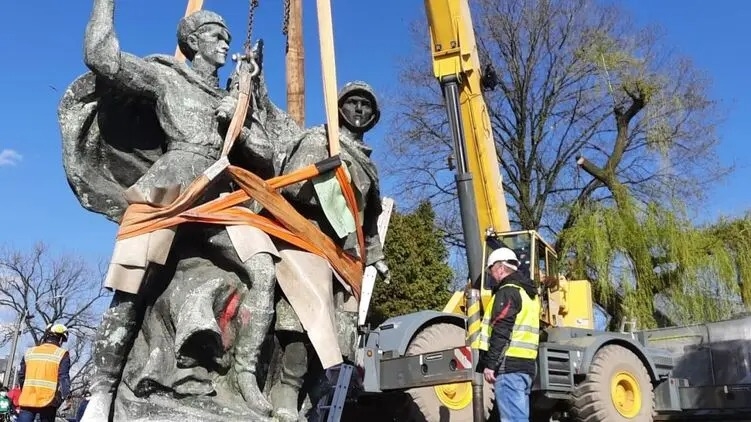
point(592, 398)
point(424, 404)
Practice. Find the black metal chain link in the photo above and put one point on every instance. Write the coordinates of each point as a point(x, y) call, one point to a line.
point(285, 24)
point(251, 17)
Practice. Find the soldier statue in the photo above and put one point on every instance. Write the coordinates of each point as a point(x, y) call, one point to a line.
point(358, 113)
point(140, 130)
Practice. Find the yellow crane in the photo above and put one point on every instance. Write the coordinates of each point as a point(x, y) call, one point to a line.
point(430, 355)
point(583, 375)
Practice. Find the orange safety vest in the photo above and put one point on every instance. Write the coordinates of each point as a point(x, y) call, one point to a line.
point(40, 384)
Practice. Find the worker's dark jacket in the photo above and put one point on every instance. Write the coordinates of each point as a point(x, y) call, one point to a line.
point(506, 306)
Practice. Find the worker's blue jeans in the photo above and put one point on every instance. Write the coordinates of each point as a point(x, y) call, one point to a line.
point(46, 414)
point(512, 396)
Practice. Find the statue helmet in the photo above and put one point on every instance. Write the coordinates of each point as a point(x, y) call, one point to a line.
point(190, 24)
point(360, 88)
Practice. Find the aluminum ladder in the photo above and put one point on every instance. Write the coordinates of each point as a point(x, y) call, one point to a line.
point(331, 405)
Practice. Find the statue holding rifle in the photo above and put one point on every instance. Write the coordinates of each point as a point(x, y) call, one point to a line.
point(323, 203)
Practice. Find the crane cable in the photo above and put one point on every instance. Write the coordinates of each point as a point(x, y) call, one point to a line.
point(249, 31)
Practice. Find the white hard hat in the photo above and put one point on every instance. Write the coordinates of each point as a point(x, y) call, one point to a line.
point(503, 254)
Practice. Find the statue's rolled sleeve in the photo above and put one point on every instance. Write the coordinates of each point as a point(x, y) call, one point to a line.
point(103, 56)
point(256, 144)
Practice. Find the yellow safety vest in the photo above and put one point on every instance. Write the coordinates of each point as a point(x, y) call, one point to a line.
point(40, 384)
point(525, 336)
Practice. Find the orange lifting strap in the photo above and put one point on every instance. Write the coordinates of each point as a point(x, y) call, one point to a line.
point(289, 226)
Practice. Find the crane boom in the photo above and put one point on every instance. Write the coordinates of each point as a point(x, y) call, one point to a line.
point(456, 65)
point(482, 206)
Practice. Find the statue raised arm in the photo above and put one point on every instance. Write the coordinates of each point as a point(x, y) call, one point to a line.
point(140, 130)
point(103, 56)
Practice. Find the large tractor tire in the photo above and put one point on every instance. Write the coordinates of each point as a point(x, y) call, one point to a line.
point(618, 388)
point(444, 403)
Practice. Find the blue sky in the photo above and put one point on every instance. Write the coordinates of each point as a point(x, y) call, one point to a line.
point(42, 49)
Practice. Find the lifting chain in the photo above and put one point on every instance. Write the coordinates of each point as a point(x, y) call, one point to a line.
point(251, 17)
point(285, 22)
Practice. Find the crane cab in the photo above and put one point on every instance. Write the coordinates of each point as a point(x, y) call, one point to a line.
point(538, 259)
point(565, 303)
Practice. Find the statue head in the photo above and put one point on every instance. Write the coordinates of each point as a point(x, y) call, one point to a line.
point(205, 34)
point(358, 107)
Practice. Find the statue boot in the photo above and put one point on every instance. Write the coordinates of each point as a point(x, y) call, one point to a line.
point(285, 393)
point(114, 339)
point(347, 335)
point(259, 305)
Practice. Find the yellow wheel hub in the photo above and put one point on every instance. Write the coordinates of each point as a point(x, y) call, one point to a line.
point(626, 394)
point(455, 396)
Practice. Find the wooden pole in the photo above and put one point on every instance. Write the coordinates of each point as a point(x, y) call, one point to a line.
point(193, 6)
point(295, 64)
point(328, 71)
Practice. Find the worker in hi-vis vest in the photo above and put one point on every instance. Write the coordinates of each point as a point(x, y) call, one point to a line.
point(45, 377)
point(510, 335)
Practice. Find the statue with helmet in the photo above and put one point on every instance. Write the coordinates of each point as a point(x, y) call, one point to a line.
point(44, 376)
point(193, 303)
point(318, 198)
point(141, 131)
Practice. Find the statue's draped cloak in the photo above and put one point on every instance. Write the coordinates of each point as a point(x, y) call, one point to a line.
point(111, 138)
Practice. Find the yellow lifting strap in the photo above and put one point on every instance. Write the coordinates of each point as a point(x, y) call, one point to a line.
point(328, 72)
point(330, 97)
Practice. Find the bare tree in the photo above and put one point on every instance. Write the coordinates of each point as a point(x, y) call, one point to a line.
point(575, 78)
point(51, 289)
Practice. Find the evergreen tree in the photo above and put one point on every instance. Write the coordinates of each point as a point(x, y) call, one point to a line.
point(417, 258)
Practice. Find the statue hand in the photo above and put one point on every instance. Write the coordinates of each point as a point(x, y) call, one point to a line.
point(383, 270)
point(226, 108)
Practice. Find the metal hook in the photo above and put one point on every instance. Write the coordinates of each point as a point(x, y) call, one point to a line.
point(250, 59)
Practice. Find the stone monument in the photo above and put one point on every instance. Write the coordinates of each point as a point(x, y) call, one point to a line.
point(141, 130)
point(358, 113)
point(193, 303)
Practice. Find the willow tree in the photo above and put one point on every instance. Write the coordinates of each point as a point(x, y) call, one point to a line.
point(574, 77)
point(732, 237)
point(644, 255)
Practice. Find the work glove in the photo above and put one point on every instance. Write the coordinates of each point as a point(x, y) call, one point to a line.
point(383, 270)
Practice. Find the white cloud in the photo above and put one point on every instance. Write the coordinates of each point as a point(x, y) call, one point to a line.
point(9, 157)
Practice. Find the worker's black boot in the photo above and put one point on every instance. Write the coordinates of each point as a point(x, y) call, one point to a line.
point(259, 304)
point(113, 342)
point(286, 392)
